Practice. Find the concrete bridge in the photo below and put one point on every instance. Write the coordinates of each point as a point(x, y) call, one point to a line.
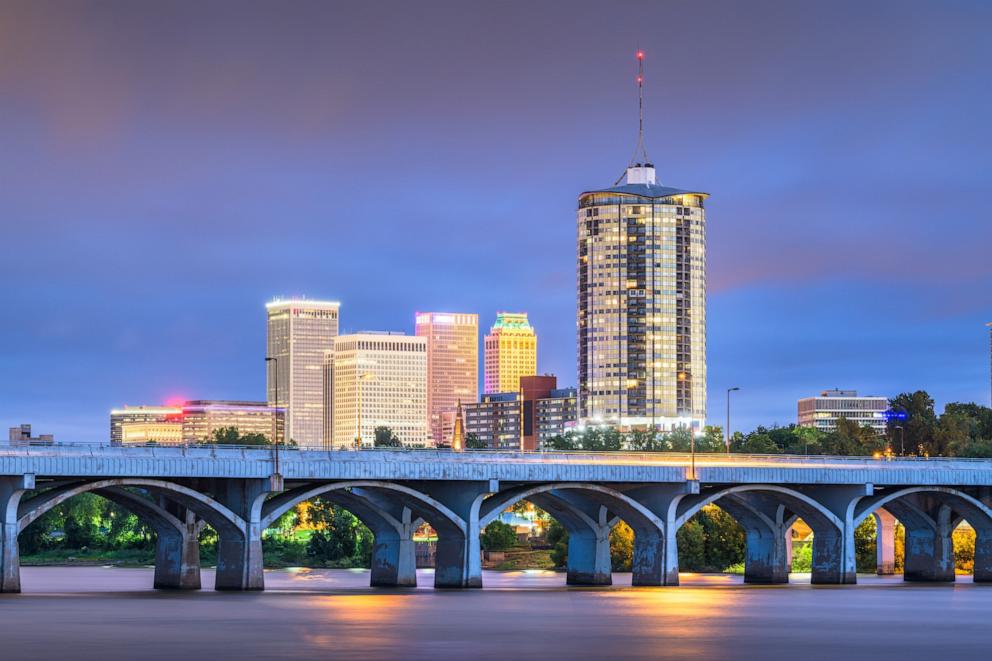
point(241, 492)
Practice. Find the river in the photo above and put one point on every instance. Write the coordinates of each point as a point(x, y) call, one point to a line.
point(110, 613)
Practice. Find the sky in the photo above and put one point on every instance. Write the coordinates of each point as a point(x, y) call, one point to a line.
point(167, 168)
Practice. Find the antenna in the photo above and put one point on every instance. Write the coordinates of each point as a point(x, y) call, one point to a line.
point(640, 151)
point(640, 156)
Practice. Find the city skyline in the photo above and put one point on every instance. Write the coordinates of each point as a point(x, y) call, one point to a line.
point(149, 220)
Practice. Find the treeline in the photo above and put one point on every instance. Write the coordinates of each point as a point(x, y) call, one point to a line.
point(90, 528)
point(914, 428)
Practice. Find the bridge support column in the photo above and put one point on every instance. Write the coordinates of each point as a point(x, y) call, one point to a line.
point(885, 543)
point(589, 557)
point(239, 553)
point(459, 553)
point(983, 556)
point(929, 555)
point(656, 559)
point(177, 553)
point(834, 559)
point(766, 560)
point(11, 490)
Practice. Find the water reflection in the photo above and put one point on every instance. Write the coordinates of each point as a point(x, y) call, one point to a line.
point(105, 613)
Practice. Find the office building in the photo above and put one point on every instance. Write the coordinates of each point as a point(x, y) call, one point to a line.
point(554, 415)
point(300, 338)
point(150, 416)
point(159, 432)
point(452, 367)
point(380, 380)
point(202, 418)
point(641, 304)
point(822, 412)
point(21, 435)
point(495, 420)
point(510, 352)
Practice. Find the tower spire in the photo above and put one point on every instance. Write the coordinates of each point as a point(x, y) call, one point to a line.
point(640, 170)
point(640, 156)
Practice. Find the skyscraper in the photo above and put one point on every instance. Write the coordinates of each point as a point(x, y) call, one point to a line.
point(380, 380)
point(300, 335)
point(511, 352)
point(452, 366)
point(641, 308)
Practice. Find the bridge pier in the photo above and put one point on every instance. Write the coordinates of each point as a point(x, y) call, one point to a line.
point(11, 490)
point(663, 501)
point(177, 552)
point(239, 551)
point(458, 562)
point(983, 555)
point(885, 543)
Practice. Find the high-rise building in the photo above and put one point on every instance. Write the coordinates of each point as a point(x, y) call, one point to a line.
point(511, 352)
point(990, 361)
point(380, 380)
point(150, 416)
point(522, 419)
point(202, 418)
point(300, 336)
point(452, 366)
point(641, 308)
point(823, 412)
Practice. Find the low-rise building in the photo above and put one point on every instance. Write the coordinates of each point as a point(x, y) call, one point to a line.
point(21, 435)
point(150, 415)
point(202, 418)
point(822, 412)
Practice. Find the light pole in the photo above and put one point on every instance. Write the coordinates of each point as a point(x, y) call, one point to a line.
point(275, 415)
point(729, 390)
point(902, 438)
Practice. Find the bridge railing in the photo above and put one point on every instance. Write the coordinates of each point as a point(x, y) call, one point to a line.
point(264, 452)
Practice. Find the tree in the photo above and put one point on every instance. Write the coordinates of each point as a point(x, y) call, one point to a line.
point(757, 442)
point(919, 423)
point(621, 547)
point(498, 536)
point(558, 539)
point(385, 438)
point(232, 436)
point(473, 442)
point(335, 536)
point(692, 546)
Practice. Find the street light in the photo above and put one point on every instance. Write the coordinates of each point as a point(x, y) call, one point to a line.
point(275, 416)
point(729, 390)
point(902, 438)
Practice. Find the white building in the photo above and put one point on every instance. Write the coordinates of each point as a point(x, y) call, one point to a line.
point(822, 412)
point(300, 336)
point(380, 380)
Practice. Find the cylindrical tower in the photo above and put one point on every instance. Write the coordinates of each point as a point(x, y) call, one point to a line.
point(641, 309)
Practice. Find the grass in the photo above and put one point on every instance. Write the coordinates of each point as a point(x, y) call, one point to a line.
point(524, 558)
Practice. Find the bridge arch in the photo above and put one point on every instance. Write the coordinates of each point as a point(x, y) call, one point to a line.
point(211, 511)
point(589, 512)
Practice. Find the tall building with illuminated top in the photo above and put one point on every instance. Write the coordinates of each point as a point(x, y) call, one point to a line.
point(300, 343)
point(452, 367)
point(510, 352)
point(641, 308)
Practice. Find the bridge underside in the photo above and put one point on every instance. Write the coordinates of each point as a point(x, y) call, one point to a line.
point(241, 509)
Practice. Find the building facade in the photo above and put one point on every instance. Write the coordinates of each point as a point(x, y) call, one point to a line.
point(150, 416)
point(452, 367)
point(641, 305)
point(380, 379)
point(202, 418)
point(21, 435)
point(555, 414)
point(495, 420)
point(301, 342)
point(510, 352)
point(822, 412)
